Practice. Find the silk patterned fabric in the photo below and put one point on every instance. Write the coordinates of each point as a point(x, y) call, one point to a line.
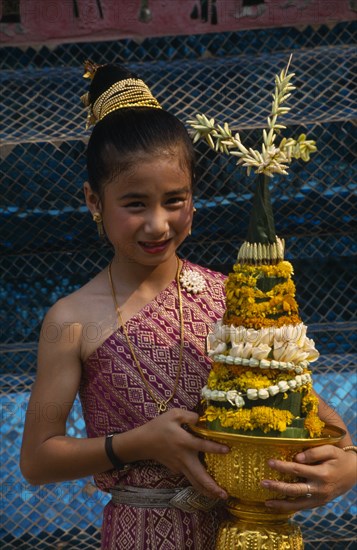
point(115, 399)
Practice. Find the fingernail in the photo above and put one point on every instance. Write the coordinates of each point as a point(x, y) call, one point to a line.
point(265, 483)
point(271, 463)
point(300, 457)
point(268, 504)
point(225, 449)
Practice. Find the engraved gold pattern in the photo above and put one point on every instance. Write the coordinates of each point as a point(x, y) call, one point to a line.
point(251, 525)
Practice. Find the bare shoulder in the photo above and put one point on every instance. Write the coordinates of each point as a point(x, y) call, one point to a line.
point(77, 307)
point(81, 320)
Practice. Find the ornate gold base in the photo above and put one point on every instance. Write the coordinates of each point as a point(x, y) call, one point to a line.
point(251, 526)
point(242, 535)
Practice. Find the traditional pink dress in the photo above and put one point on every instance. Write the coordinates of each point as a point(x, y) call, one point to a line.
point(114, 399)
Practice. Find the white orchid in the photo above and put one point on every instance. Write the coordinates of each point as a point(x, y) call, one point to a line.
point(247, 350)
point(280, 344)
point(309, 347)
point(237, 334)
point(221, 331)
point(262, 351)
point(237, 350)
point(216, 348)
point(288, 351)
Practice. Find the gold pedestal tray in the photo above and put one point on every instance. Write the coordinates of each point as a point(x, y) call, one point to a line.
point(251, 526)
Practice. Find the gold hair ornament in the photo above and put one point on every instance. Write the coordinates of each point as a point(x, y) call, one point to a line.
point(90, 69)
point(130, 92)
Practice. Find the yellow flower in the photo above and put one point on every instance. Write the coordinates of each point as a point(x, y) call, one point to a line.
point(310, 402)
point(246, 300)
point(265, 418)
point(314, 424)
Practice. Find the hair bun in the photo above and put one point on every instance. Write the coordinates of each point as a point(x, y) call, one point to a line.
point(103, 77)
point(114, 87)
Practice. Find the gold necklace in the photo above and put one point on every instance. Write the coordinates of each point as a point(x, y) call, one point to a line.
point(160, 403)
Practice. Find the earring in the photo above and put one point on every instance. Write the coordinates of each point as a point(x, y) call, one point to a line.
point(97, 218)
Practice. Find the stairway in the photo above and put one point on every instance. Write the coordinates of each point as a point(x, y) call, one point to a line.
point(49, 245)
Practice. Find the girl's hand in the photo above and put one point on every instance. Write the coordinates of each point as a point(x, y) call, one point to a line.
point(168, 442)
point(326, 472)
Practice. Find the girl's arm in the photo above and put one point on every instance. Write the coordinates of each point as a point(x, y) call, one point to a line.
point(48, 455)
point(330, 416)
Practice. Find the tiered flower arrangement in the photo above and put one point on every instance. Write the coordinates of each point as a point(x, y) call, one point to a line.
point(260, 382)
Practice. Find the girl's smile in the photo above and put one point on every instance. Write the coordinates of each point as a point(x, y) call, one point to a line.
point(156, 247)
point(147, 210)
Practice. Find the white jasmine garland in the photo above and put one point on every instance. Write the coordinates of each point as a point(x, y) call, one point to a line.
point(262, 364)
point(283, 386)
point(252, 394)
point(239, 401)
point(236, 398)
point(231, 395)
point(263, 394)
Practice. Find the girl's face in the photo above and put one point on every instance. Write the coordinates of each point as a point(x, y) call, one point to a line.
point(147, 210)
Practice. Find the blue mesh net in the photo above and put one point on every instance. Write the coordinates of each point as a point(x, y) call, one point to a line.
point(49, 245)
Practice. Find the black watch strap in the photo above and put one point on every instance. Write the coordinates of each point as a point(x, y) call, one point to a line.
point(117, 463)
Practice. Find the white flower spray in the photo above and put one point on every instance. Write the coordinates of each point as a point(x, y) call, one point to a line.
point(273, 158)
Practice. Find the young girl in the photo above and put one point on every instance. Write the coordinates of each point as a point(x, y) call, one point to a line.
point(132, 342)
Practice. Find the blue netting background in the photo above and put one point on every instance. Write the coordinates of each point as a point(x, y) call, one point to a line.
point(49, 246)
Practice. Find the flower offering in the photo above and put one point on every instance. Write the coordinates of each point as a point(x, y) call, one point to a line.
point(261, 382)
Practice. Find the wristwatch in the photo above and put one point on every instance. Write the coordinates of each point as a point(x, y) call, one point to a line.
point(117, 463)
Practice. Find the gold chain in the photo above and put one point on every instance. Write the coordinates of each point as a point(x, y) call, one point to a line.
point(161, 404)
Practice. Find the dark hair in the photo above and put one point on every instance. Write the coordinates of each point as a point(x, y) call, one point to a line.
point(120, 136)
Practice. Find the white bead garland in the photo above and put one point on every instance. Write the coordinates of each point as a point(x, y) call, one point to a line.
point(235, 397)
point(262, 364)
